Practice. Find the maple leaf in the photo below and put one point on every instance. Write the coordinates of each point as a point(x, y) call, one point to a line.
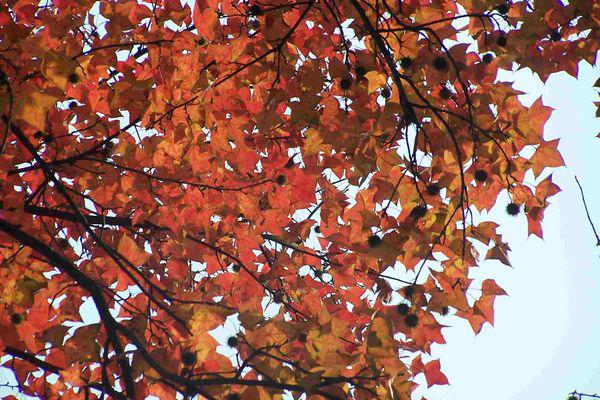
point(546, 156)
point(131, 251)
point(313, 142)
point(60, 70)
point(33, 106)
point(433, 375)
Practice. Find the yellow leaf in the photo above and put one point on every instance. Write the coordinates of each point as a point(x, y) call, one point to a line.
point(313, 142)
point(204, 319)
point(57, 69)
point(380, 341)
point(376, 80)
point(33, 107)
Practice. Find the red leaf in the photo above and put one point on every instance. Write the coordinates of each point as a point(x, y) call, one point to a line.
point(433, 375)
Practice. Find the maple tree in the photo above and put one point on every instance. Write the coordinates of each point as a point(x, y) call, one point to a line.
point(309, 169)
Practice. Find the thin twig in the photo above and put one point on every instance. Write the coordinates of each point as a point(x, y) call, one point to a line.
point(587, 212)
point(582, 395)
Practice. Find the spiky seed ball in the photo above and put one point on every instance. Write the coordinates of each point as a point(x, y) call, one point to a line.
point(555, 35)
point(360, 71)
point(418, 212)
point(488, 58)
point(107, 149)
point(345, 83)
point(281, 179)
point(501, 41)
point(440, 63)
point(374, 241)
point(73, 78)
point(481, 175)
point(502, 9)
point(72, 105)
point(385, 93)
point(232, 341)
point(188, 358)
point(445, 310)
point(302, 338)
point(445, 93)
point(16, 318)
point(403, 308)
point(405, 62)
point(38, 134)
point(255, 9)
point(433, 189)
point(408, 291)
point(317, 229)
point(512, 209)
point(411, 320)
point(234, 396)
point(277, 297)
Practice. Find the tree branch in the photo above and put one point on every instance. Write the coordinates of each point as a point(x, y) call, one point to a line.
point(23, 355)
point(86, 283)
point(587, 212)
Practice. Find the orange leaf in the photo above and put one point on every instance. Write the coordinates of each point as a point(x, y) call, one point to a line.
point(490, 286)
point(57, 69)
point(546, 156)
point(129, 249)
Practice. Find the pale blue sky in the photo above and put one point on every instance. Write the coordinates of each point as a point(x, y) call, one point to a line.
point(545, 340)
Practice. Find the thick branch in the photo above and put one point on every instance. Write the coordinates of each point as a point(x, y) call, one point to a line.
point(121, 261)
point(86, 283)
point(23, 355)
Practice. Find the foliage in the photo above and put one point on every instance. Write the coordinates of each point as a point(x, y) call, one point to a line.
point(299, 167)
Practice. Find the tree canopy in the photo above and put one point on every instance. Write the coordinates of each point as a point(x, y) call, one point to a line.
point(312, 175)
